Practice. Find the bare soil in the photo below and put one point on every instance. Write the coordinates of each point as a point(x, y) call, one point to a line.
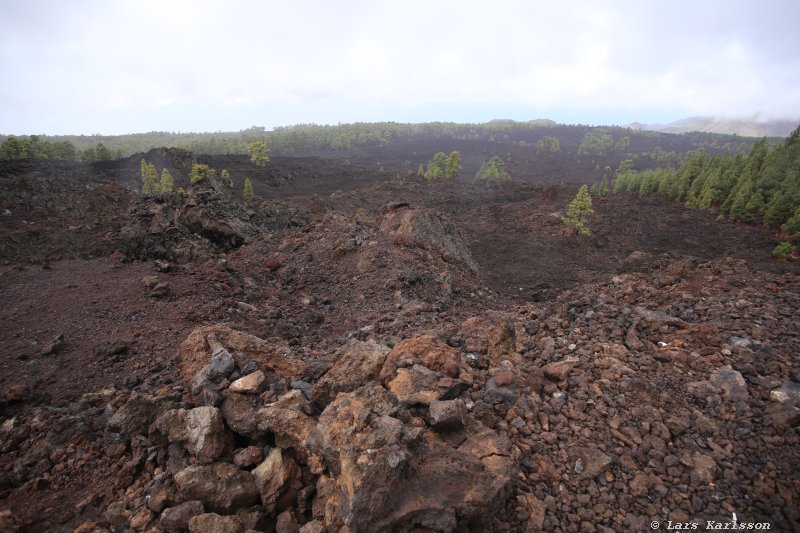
point(339, 275)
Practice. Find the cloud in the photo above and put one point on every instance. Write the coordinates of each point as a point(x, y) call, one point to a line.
point(67, 68)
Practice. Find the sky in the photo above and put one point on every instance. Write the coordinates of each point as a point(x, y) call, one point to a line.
point(113, 67)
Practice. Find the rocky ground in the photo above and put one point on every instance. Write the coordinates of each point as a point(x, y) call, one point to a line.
point(403, 357)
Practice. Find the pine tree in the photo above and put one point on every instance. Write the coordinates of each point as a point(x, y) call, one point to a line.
point(436, 166)
point(421, 171)
point(595, 190)
point(493, 169)
point(603, 189)
point(452, 166)
point(792, 226)
point(199, 172)
point(149, 178)
point(167, 183)
point(225, 176)
point(248, 191)
point(259, 153)
point(578, 212)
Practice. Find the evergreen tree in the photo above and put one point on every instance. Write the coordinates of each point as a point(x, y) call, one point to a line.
point(755, 207)
point(452, 166)
point(149, 178)
point(436, 166)
point(792, 226)
point(603, 188)
point(259, 153)
point(200, 172)
point(102, 153)
point(421, 171)
point(167, 183)
point(710, 194)
point(225, 176)
point(578, 212)
point(595, 190)
point(493, 169)
point(248, 191)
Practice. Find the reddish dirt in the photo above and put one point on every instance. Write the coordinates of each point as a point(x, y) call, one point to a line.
point(341, 275)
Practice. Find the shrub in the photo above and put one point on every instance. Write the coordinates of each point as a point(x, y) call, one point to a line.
point(579, 211)
point(783, 250)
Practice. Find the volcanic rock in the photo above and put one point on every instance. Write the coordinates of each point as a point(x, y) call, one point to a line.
point(356, 364)
point(220, 486)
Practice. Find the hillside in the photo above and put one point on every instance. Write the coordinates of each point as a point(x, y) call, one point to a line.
point(356, 350)
point(728, 126)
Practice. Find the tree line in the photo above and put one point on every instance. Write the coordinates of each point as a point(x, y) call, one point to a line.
point(34, 147)
point(762, 186)
point(303, 139)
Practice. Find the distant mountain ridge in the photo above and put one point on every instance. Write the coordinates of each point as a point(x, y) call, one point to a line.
point(729, 126)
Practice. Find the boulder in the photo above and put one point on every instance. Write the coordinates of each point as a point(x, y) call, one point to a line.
point(278, 480)
point(385, 476)
point(291, 426)
point(135, 416)
point(415, 386)
point(356, 364)
point(426, 351)
point(214, 523)
point(220, 486)
point(239, 412)
point(201, 430)
point(426, 229)
point(195, 352)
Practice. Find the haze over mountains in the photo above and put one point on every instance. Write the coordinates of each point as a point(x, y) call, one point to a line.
point(727, 126)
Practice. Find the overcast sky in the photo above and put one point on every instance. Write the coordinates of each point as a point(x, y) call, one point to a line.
point(140, 65)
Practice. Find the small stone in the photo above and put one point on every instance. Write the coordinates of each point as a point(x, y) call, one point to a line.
point(448, 414)
point(54, 346)
point(221, 365)
point(789, 391)
point(286, 523)
point(703, 469)
point(117, 514)
point(503, 377)
point(161, 290)
point(594, 462)
point(560, 370)
point(249, 367)
point(315, 526)
point(248, 457)
point(302, 386)
point(536, 509)
point(177, 518)
point(246, 307)
point(731, 383)
point(251, 383)
point(639, 485)
point(150, 281)
point(142, 519)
